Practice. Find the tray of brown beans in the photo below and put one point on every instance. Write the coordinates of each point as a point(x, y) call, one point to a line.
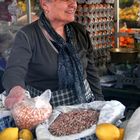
point(74, 122)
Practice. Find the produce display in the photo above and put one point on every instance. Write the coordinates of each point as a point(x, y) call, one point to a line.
point(65, 121)
point(127, 39)
point(130, 13)
point(73, 122)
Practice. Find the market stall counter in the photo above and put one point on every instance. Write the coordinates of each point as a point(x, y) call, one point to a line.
point(79, 120)
point(128, 95)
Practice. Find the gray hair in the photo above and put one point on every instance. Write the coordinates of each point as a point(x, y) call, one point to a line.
point(41, 8)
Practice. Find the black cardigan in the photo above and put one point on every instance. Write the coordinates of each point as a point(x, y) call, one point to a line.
point(34, 62)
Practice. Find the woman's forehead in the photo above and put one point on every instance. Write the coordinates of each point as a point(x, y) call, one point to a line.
point(68, 0)
point(65, 1)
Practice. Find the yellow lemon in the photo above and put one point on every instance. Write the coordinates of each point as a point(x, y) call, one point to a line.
point(23, 7)
point(121, 133)
point(107, 131)
point(25, 134)
point(10, 133)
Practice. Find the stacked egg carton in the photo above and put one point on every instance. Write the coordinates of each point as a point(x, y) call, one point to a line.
point(98, 18)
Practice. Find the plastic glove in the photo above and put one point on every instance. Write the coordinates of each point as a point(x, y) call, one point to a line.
point(16, 94)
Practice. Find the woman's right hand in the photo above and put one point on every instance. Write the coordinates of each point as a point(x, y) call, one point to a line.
point(16, 94)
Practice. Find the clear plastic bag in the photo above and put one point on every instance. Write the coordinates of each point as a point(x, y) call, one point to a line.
point(32, 111)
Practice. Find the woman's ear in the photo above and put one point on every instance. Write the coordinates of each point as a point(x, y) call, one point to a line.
point(44, 5)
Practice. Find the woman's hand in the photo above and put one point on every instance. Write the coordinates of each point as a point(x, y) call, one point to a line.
point(16, 94)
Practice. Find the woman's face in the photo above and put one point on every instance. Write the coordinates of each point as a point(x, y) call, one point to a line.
point(61, 11)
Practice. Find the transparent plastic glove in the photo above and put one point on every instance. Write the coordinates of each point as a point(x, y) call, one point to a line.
point(16, 94)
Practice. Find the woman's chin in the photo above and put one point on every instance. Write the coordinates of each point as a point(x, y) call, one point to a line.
point(71, 19)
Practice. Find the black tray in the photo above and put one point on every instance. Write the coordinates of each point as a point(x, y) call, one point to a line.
point(130, 24)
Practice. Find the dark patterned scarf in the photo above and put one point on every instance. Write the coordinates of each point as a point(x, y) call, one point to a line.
point(70, 71)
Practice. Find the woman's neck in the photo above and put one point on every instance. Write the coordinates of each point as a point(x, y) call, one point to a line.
point(60, 31)
point(59, 28)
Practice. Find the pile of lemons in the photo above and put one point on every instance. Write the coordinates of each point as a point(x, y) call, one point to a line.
point(108, 131)
point(13, 133)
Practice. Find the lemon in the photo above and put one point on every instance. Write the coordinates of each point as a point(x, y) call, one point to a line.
point(25, 134)
point(10, 133)
point(121, 133)
point(23, 7)
point(107, 131)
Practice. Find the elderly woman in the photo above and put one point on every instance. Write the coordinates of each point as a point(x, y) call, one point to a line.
point(55, 53)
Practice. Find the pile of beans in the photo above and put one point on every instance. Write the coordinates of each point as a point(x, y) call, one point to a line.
point(27, 116)
point(73, 122)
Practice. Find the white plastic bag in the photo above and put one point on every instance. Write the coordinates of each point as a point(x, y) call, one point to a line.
point(32, 111)
point(110, 112)
point(132, 130)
